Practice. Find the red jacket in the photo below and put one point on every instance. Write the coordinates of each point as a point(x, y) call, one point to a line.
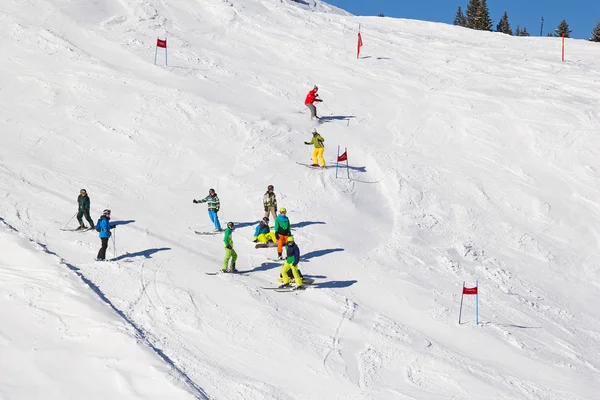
point(311, 97)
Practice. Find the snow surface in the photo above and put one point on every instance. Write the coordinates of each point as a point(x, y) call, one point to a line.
point(473, 156)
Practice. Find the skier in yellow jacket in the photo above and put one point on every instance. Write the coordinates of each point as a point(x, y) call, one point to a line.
point(317, 155)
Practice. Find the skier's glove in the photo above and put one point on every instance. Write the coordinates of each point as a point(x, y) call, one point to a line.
point(295, 264)
point(266, 208)
point(277, 236)
point(228, 247)
point(255, 240)
point(306, 143)
point(195, 201)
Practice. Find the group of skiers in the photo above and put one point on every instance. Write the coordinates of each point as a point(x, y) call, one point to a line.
point(281, 234)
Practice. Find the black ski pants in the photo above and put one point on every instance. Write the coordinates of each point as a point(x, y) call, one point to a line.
point(102, 251)
point(85, 213)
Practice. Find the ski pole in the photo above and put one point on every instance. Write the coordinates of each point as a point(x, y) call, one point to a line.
point(70, 220)
point(327, 108)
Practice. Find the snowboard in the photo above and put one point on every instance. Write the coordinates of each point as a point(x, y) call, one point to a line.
point(207, 233)
point(264, 245)
point(225, 273)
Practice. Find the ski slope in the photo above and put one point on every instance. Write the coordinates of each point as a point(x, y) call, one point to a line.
point(473, 156)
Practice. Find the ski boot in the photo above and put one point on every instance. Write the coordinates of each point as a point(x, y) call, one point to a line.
point(285, 286)
point(301, 287)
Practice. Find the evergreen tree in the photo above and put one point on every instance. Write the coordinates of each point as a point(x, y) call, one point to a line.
point(524, 32)
point(518, 31)
point(563, 27)
point(459, 18)
point(503, 26)
point(471, 13)
point(482, 17)
point(596, 34)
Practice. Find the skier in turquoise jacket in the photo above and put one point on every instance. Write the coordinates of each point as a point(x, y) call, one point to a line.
point(213, 208)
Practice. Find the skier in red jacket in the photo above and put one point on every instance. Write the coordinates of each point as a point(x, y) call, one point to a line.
point(312, 97)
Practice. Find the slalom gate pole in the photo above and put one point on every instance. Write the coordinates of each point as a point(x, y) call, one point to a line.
point(476, 303)
point(155, 53)
point(166, 54)
point(70, 220)
point(347, 165)
point(462, 296)
point(337, 161)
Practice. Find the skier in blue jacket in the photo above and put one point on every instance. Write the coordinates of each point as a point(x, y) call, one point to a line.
point(103, 226)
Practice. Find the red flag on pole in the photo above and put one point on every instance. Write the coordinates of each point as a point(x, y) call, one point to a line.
point(161, 43)
point(343, 157)
point(470, 290)
point(359, 45)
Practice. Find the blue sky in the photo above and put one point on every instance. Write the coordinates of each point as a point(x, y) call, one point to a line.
point(581, 15)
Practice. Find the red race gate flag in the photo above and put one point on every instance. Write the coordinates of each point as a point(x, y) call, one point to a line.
point(340, 158)
point(359, 45)
point(163, 45)
point(343, 157)
point(469, 291)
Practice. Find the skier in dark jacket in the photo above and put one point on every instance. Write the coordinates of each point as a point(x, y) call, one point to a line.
point(104, 228)
point(291, 262)
point(83, 200)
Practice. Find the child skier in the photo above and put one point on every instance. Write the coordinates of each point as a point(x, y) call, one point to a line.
point(229, 251)
point(311, 98)
point(103, 226)
point(213, 208)
point(263, 234)
point(282, 231)
point(270, 202)
point(291, 262)
point(83, 201)
point(317, 155)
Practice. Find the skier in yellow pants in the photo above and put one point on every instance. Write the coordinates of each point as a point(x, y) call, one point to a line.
point(317, 155)
point(291, 262)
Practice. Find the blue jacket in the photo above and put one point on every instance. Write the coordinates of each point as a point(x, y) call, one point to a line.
point(293, 254)
point(261, 228)
point(103, 226)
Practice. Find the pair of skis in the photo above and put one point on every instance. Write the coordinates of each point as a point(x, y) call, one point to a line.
point(77, 230)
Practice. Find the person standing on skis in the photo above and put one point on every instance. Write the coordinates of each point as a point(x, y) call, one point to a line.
point(311, 98)
point(103, 226)
point(229, 251)
point(83, 201)
point(270, 202)
point(282, 231)
point(213, 208)
point(291, 262)
point(317, 155)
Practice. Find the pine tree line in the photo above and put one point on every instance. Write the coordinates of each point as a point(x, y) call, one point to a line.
point(477, 16)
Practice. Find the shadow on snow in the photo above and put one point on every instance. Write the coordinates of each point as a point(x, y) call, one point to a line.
point(319, 253)
point(145, 253)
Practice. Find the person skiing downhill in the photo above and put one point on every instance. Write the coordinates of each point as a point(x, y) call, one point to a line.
point(213, 208)
point(263, 234)
point(317, 155)
point(291, 262)
point(311, 98)
point(103, 226)
point(83, 201)
point(282, 231)
point(229, 251)
point(270, 202)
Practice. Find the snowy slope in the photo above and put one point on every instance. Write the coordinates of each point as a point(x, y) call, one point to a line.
point(473, 157)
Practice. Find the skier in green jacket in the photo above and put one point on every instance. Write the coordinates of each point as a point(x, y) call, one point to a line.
point(317, 155)
point(229, 251)
point(83, 200)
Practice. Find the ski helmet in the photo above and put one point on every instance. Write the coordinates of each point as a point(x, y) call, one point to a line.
point(270, 187)
point(316, 87)
point(230, 225)
point(211, 190)
point(282, 210)
point(290, 239)
point(106, 212)
point(266, 219)
point(83, 191)
point(314, 131)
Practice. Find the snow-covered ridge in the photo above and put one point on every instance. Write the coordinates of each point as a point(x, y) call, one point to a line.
point(473, 157)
